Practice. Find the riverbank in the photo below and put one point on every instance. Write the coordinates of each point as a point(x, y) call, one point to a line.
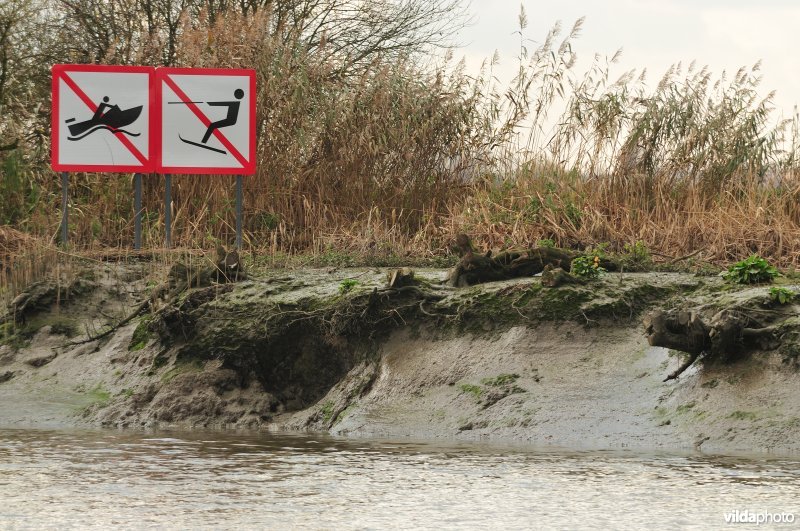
point(337, 350)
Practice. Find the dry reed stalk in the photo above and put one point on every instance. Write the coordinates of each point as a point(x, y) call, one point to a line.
point(393, 158)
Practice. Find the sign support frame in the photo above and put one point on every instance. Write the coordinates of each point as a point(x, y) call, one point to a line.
point(151, 159)
point(137, 211)
point(168, 209)
point(64, 209)
point(239, 212)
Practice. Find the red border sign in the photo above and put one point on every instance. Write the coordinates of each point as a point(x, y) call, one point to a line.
point(245, 158)
point(62, 72)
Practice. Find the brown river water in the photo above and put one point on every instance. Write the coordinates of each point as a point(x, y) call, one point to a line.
point(67, 479)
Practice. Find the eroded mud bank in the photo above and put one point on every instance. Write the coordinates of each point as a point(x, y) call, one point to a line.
point(337, 350)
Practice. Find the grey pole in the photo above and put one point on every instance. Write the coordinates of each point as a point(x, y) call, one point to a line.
point(238, 212)
point(137, 211)
point(168, 208)
point(64, 208)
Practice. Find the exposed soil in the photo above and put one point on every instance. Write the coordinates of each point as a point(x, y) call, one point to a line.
point(339, 351)
point(575, 387)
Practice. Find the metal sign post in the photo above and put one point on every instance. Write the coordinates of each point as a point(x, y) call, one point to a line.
point(168, 209)
point(137, 211)
point(238, 212)
point(64, 208)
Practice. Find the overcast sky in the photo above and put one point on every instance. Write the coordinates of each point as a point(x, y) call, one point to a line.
point(723, 34)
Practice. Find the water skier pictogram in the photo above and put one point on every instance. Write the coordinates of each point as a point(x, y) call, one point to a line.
point(230, 119)
point(108, 117)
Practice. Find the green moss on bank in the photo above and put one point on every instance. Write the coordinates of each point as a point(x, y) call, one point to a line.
point(18, 336)
point(141, 335)
point(475, 390)
point(182, 367)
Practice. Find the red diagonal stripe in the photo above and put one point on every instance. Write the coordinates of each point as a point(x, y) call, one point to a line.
point(89, 103)
point(204, 119)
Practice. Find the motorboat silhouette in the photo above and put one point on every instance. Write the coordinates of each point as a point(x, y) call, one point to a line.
point(114, 119)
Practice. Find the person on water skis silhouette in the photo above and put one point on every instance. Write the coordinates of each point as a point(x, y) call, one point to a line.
point(233, 113)
point(230, 119)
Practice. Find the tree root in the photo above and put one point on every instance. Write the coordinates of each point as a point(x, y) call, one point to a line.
point(727, 334)
point(226, 269)
point(139, 310)
point(685, 365)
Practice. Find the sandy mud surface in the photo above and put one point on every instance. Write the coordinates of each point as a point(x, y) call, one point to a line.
point(335, 350)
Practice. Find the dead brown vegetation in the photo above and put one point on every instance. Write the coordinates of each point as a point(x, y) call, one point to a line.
point(366, 146)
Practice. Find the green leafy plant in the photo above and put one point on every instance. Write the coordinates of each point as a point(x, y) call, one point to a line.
point(268, 220)
point(752, 270)
point(781, 295)
point(546, 242)
point(587, 267)
point(346, 285)
point(636, 256)
point(599, 250)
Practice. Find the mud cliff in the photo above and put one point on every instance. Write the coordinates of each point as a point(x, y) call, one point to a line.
point(341, 351)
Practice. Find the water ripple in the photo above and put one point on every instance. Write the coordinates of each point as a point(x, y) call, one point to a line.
point(97, 479)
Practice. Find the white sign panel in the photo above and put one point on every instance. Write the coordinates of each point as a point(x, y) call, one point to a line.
point(101, 118)
point(206, 120)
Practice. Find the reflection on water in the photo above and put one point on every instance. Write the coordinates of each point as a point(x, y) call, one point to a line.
point(98, 479)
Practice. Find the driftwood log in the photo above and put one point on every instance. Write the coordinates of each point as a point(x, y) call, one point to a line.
point(475, 268)
point(727, 334)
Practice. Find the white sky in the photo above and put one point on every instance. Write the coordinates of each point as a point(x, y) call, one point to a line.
point(723, 34)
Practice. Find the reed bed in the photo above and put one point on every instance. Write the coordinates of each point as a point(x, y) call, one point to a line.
point(393, 154)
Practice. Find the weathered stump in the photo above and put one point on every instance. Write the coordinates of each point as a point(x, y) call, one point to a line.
point(727, 334)
point(398, 278)
point(554, 277)
point(678, 330)
point(229, 266)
